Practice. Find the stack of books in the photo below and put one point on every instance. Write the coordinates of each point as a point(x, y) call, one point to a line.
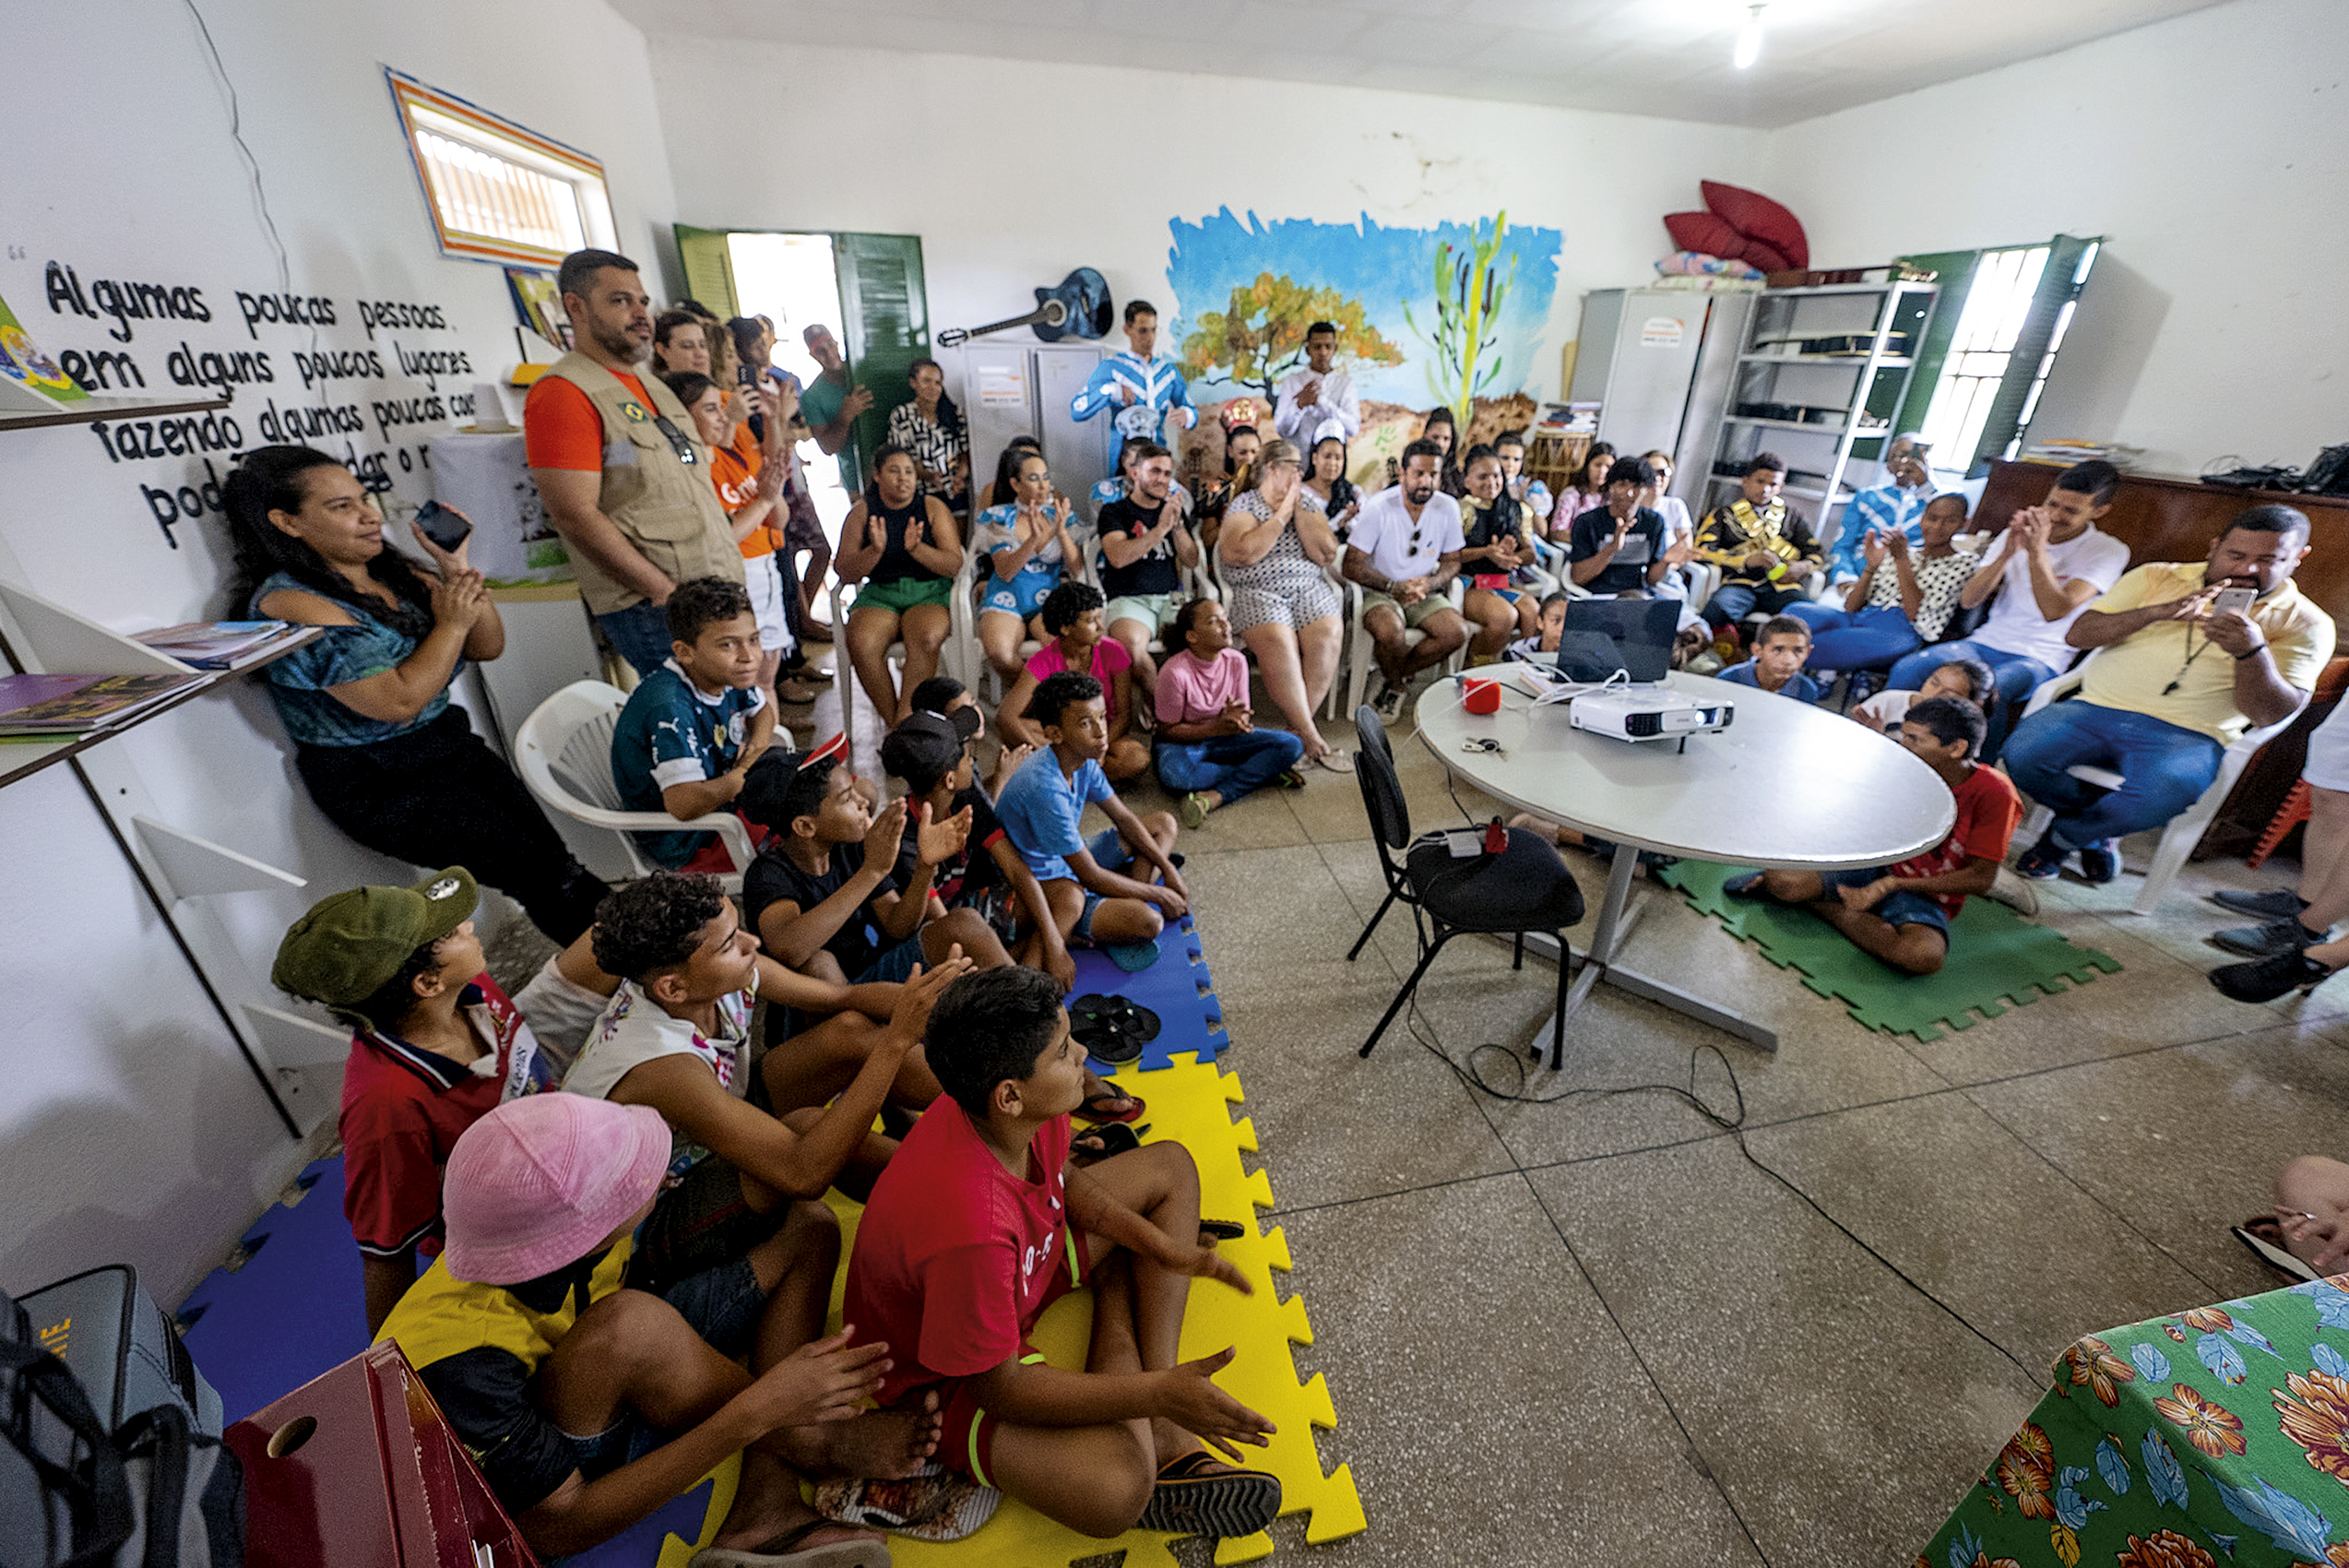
point(218, 644)
point(54, 707)
point(2067, 452)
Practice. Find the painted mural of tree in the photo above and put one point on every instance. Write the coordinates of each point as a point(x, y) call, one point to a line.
point(1259, 335)
point(1463, 336)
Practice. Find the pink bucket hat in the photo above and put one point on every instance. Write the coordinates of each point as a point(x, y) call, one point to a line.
point(541, 1181)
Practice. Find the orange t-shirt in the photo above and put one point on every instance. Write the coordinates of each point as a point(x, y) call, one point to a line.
point(562, 430)
point(733, 468)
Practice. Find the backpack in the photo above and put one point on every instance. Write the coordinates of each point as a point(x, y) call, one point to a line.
point(153, 1492)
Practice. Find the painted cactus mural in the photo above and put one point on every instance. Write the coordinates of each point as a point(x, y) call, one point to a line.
point(1472, 283)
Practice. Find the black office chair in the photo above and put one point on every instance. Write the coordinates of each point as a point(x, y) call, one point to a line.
point(1526, 887)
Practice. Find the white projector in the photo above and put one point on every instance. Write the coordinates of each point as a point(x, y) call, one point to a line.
point(1654, 714)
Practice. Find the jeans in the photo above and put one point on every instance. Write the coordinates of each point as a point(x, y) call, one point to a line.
point(2164, 769)
point(1869, 638)
point(2016, 676)
point(639, 635)
point(1229, 765)
point(1732, 602)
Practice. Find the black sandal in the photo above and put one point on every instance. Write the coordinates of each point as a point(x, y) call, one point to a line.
point(1109, 1139)
point(1192, 1500)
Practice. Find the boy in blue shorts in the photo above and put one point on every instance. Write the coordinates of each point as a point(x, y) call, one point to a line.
point(1094, 898)
point(694, 727)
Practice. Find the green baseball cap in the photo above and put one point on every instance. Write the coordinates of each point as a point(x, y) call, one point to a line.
point(347, 947)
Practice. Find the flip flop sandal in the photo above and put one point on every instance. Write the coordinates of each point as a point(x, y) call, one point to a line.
point(1290, 778)
point(1109, 1139)
point(933, 1504)
point(1132, 956)
point(1746, 886)
point(1191, 1500)
point(1132, 1112)
point(2265, 1237)
point(1112, 1029)
point(1222, 1229)
point(780, 1553)
point(1335, 760)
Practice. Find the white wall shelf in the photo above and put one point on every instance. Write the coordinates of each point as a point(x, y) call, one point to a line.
point(96, 408)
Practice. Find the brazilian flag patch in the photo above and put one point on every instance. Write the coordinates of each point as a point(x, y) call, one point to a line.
point(635, 411)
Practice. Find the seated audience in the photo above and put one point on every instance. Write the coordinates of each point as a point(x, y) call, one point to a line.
point(1762, 546)
point(1902, 913)
point(435, 1044)
point(1120, 486)
point(931, 752)
point(1041, 806)
point(944, 695)
point(1209, 749)
point(1441, 428)
point(1894, 507)
point(1243, 450)
point(679, 348)
point(1275, 557)
point(1678, 527)
point(1549, 629)
point(1405, 552)
point(1145, 548)
point(1600, 537)
point(2050, 562)
point(1587, 491)
point(588, 1404)
point(385, 755)
point(1316, 401)
point(905, 548)
point(692, 727)
point(1529, 492)
point(750, 480)
point(1967, 678)
point(2179, 681)
point(1780, 649)
point(1004, 489)
point(1497, 558)
point(839, 894)
point(982, 1189)
point(1075, 639)
point(1326, 478)
point(1902, 598)
point(1026, 544)
point(931, 428)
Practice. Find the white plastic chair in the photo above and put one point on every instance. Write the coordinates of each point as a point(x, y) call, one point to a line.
point(1361, 659)
point(2183, 831)
point(959, 655)
point(564, 753)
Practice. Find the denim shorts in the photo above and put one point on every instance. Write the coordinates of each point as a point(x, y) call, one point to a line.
point(895, 964)
point(1903, 907)
point(1108, 852)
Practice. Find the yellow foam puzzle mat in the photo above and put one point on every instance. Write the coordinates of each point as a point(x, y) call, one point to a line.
point(1192, 1103)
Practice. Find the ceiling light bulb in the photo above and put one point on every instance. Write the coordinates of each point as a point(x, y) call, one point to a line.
point(1749, 42)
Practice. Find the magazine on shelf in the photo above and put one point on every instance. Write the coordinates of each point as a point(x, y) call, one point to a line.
point(37, 707)
point(213, 644)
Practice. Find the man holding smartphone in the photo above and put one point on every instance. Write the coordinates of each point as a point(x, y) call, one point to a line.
point(2192, 655)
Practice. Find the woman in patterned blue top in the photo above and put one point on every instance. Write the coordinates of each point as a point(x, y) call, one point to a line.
point(385, 755)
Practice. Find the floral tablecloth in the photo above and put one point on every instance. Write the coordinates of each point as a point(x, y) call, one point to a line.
point(2207, 1439)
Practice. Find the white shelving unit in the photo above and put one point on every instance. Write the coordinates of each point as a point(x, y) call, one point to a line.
point(180, 870)
point(1845, 383)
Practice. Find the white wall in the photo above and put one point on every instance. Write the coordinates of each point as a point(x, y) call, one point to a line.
point(132, 1131)
point(1013, 173)
point(2211, 151)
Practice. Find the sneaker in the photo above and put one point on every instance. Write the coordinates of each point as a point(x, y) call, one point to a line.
point(1389, 703)
point(2043, 860)
point(2100, 862)
point(2271, 977)
point(2286, 935)
point(2014, 892)
point(1192, 810)
point(2281, 904)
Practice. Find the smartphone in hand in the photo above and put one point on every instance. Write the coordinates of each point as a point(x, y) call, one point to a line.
point(443, 528)
point(2233, 602)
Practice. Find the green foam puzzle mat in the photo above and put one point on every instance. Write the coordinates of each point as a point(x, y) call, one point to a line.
point(1995, 957)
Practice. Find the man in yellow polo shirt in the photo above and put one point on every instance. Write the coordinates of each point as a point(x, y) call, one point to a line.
point(2186, 668)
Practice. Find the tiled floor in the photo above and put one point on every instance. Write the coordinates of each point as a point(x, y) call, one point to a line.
point(1594, 1331)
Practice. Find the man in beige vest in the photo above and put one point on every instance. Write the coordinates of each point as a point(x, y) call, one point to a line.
point(614, 453)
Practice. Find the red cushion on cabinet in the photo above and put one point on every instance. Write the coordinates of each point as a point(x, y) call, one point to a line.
point(1762, 253)
point(1758, 218)
point(1702, 233)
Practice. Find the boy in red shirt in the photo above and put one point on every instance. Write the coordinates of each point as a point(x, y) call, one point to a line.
point(1902, 913)
point(979, 1223)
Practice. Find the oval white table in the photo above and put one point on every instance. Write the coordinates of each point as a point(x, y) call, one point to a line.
point(1786, 785)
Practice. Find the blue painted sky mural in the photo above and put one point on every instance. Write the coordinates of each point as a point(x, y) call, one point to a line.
point(1244, 291)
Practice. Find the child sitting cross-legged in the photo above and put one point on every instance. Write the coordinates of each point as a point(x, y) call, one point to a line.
point(1209, 747)
point(675, 1036)
point(980, 1223)
point(590, 1403)
point(1779, 650)
point(1078, 640)
point(692, 727)
point(1042, 807)
point(1902, 913)
point(434, 1046)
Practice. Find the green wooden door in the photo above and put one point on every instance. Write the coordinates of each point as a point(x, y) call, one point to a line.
point(885, 316)
point(709, 275)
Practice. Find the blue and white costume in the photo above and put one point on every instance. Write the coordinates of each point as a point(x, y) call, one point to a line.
point(1159, 392)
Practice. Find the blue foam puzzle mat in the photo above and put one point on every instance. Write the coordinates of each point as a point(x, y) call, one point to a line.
point(1177, 988)
point(640, 1545)
point(296, 1308)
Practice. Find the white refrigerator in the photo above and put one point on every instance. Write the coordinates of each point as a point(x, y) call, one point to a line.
point(1659, 363)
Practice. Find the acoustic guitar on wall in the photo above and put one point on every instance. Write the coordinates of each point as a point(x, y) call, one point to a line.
point(1078, 307)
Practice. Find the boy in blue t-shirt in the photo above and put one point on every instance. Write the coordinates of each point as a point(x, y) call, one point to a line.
point(694, 727)
point(1779, 649)
point(1041, 807)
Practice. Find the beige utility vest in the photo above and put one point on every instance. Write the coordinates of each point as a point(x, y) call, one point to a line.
point(668, 508)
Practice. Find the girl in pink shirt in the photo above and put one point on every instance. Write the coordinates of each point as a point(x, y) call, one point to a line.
point(1209, 749)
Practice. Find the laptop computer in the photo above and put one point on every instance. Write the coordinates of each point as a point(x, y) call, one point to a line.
point(1605, 636)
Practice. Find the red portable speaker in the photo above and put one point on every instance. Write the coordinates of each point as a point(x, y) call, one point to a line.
point(1480, 694)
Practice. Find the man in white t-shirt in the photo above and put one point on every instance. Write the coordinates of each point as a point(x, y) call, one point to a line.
point(1316, 401)
point(1405, 552)
point(2051, 563)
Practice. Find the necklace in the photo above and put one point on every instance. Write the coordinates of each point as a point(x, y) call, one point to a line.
point(2192, 653)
